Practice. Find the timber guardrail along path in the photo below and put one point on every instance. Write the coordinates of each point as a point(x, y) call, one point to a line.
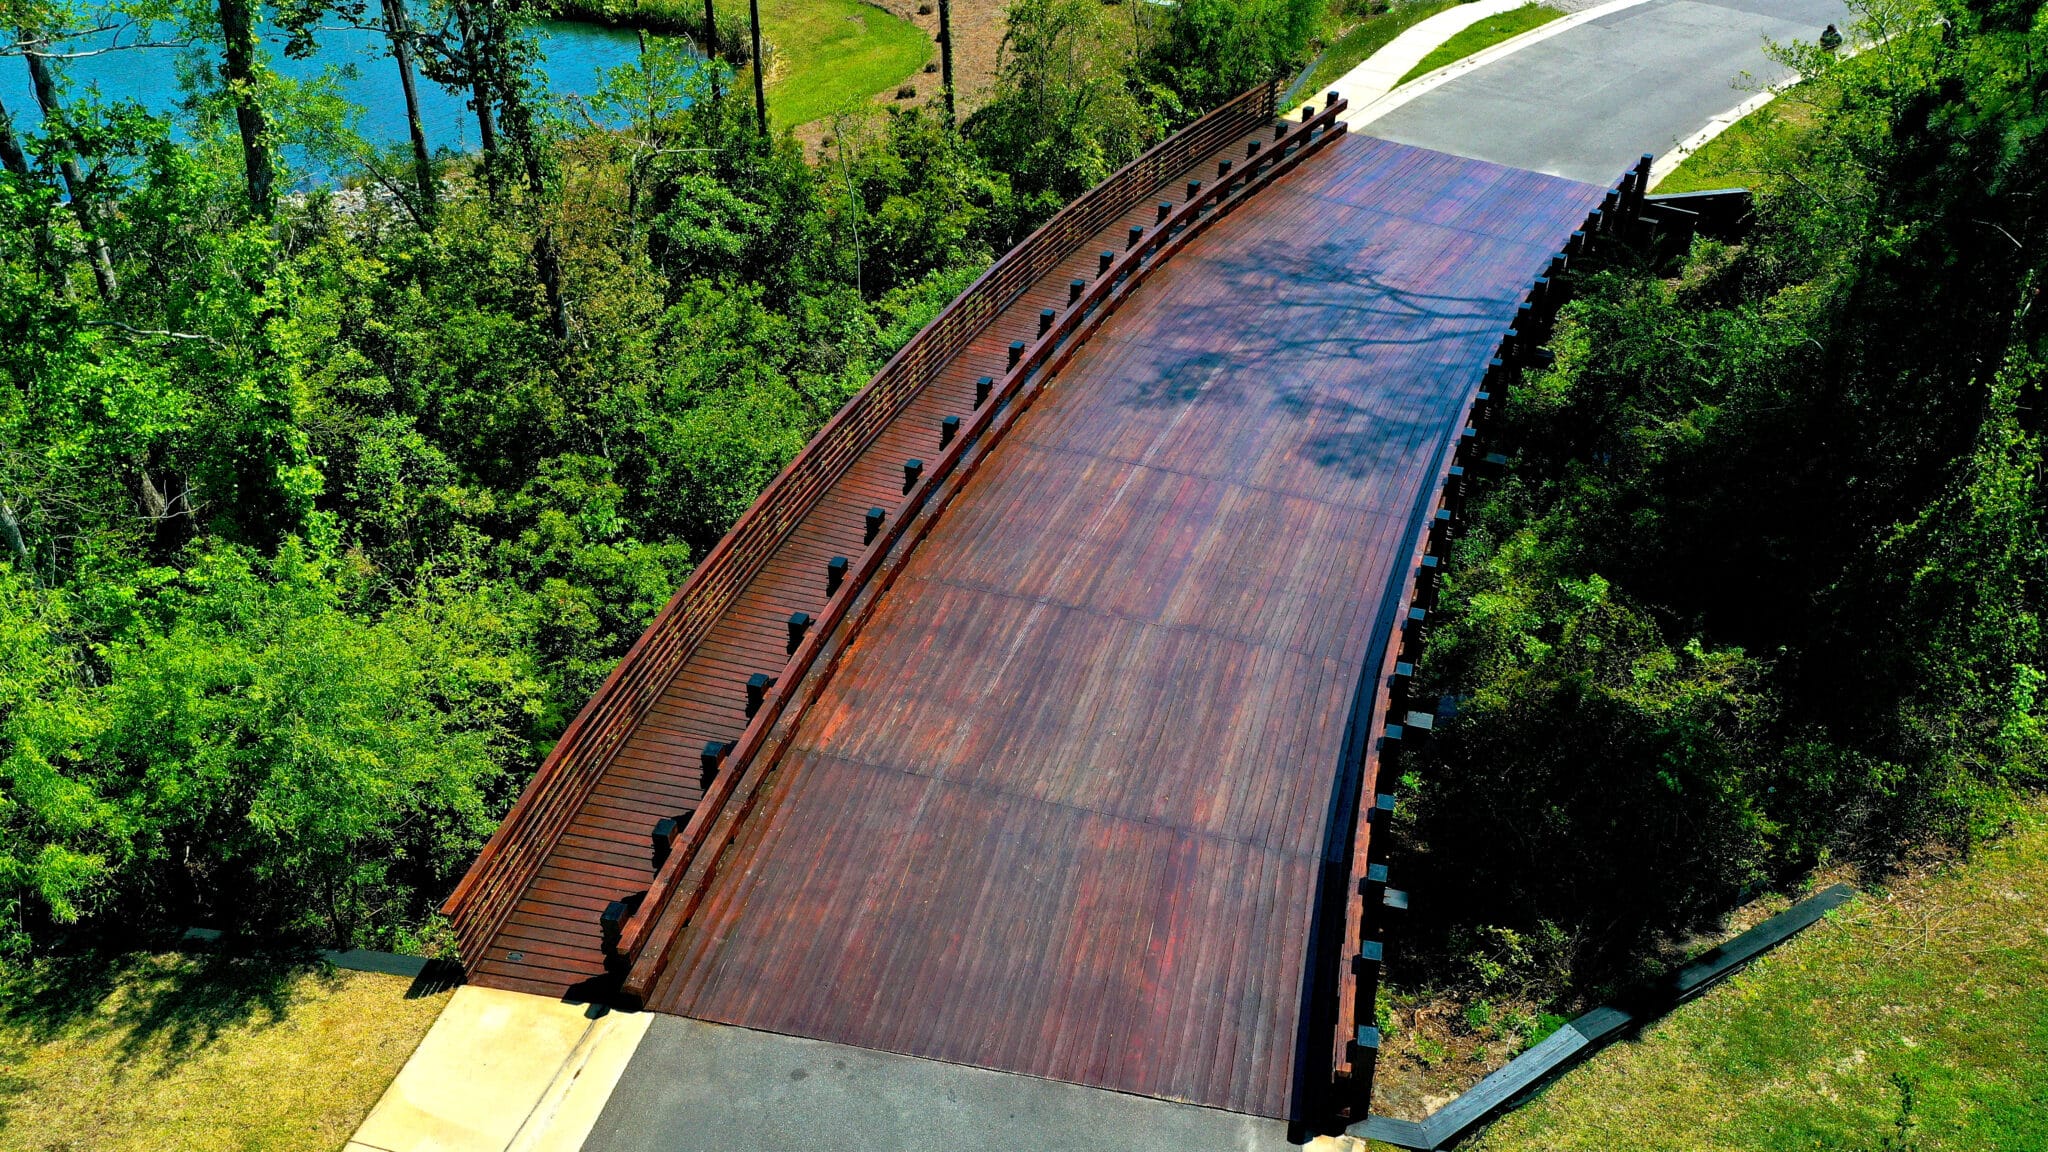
point(1024, 721)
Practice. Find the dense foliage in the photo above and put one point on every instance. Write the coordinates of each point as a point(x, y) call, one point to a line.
point(323, 510)
point(1762, 587)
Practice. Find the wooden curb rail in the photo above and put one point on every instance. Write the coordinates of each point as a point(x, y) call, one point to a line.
point(1370, 895)
point(679, 887)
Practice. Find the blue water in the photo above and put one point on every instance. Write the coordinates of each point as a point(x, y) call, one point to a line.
point(366, 76)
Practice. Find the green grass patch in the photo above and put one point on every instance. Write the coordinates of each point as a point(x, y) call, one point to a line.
point(1355, 45)
point(1936, 991)
point(1736, 158)
point(825, 54)
point(144, 1053)
point(1485, 34)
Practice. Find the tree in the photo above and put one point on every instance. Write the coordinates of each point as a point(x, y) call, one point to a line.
point(1211, 50)
point(66, 144)
point(241, 73)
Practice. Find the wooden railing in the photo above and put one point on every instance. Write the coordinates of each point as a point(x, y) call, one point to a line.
point(1355, 1050)
point(487, 892)
point(680, 883)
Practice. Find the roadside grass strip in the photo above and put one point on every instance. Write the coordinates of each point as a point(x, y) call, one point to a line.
point(1483, 35)
point(1913, 1017)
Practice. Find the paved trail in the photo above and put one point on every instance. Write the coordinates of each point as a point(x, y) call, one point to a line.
point(1586, 102)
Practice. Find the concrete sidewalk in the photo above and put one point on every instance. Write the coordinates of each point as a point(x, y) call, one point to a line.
point(504, 1072)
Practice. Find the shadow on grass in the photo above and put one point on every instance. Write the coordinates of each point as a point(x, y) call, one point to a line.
point(161, 1007)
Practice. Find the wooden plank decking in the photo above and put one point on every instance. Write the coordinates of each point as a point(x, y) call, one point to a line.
point(580, 836)
point(1061, 808)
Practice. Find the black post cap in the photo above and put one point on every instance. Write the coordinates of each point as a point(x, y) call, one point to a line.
point(912, 469)
point(1074, 289)
point(707, 761)
point(1222, 169)
point(1251, 148)
point(1016, 352)
point(664, 838)
point(1308, 112)
point(982, 388)
point(1132, 237)
point(1045, 319)
point(799, 623)
point(1330, 98)
point(835, 574)
point(948, 428)
point(610, 923)
point(872, 526)
point(1165, 209)
point(757, 690)
point(1194, 189)
point(1103, 260)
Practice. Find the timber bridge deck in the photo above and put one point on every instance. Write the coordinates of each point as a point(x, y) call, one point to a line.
point(1026, 719)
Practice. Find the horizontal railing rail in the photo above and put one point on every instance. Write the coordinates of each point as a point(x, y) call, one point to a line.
point(486, 894)
point(679, 884)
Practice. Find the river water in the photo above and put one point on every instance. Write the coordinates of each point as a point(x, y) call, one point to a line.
point(575, 57)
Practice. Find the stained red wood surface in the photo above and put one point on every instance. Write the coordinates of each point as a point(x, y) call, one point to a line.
point(1060, 811)
point(528, 912)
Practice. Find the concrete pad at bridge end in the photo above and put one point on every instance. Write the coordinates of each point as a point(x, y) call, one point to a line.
point(701, 1087)
point(504, 1072)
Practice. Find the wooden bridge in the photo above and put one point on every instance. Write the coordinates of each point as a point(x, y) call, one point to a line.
point(1026, 720)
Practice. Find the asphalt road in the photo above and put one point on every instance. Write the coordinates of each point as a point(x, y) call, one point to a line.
point(1587, 102)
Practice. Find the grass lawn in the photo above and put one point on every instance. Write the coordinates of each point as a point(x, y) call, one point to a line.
point(1937, 988)
point(1364, 40)
point(1731, 159)
point(825, 54)
point(149, 1053)
point(1484, 34)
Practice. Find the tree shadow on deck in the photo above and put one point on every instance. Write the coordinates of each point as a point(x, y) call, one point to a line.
point(1369, 368)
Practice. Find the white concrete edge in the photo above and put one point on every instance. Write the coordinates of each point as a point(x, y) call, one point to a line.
point(1360, 115)
point(1672, 158)
point(567, 1112)
point(1381, 72)
point(1669, 161)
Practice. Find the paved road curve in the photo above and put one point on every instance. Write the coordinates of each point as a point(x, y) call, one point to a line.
point(1586, 102)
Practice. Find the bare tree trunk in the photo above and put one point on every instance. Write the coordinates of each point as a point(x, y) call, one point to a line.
point(10, 528)
point(526, 142)
point(760, 66)
point(11, 155)
point(238, 35)
point(480, 96)
point(45, 87)
point(399, 30)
